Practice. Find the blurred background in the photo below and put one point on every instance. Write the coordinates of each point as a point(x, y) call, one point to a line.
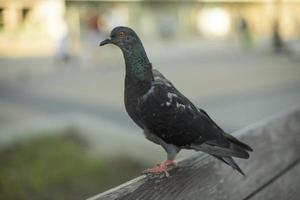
point(64, 132)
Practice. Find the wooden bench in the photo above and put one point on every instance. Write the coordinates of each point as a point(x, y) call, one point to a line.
point(272, 172)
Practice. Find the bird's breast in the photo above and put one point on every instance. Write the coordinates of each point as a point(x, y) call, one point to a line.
point(133, 92)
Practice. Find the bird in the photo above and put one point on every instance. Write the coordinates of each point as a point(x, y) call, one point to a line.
point(166, 116)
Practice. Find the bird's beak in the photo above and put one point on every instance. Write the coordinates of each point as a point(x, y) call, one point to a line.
point(104, 42)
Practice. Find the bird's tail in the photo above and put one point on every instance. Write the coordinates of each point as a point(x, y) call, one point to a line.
point(229, 161)
point(225, 149)
point(235, 141)
point(229, 146)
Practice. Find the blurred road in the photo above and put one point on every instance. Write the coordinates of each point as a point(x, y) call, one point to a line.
point(235, 87)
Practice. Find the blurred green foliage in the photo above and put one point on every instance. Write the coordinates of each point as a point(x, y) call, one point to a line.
point(59, 167)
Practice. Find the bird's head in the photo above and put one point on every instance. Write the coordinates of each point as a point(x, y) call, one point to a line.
point(122, 37)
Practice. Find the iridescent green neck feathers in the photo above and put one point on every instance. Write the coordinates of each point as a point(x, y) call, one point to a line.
point(137, 63)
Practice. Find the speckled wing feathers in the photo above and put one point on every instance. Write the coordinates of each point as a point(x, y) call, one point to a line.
point(170, 115)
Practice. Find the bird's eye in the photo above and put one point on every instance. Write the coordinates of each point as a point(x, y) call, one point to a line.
point(121, 34)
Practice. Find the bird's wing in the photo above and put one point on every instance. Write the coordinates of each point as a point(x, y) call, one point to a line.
point(172, 117)
point(212, 121)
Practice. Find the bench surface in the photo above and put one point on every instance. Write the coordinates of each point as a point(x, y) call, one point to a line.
point(272, 171)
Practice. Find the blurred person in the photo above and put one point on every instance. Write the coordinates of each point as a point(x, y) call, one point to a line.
point(277, 42)
point(93, 33)
point(93, 30)
point(62, 52)
point(244, 33)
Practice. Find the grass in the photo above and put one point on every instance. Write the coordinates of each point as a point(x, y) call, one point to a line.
point(59, 167)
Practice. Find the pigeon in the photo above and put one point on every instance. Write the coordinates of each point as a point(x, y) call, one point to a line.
point(167, 117)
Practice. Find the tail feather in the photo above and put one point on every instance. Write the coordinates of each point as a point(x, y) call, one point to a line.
point(237, 142)
point(221, 151)
point(225, 149)
point(229, 161)
point(228, 146)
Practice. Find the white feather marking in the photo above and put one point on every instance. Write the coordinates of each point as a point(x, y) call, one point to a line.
point(171, 95)
point(157, 78)
point(150, 91)
point(161, 81)
point(179, 105)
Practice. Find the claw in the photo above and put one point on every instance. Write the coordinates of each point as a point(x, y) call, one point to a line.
point(161, 168)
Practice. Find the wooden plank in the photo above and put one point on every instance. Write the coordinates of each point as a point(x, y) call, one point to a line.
point(286, 187)
point(276, 145)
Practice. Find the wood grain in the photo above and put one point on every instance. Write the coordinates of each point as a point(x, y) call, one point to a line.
point(286, 187)
point(276, 145)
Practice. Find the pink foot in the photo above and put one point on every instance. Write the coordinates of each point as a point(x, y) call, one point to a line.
point(161, 168)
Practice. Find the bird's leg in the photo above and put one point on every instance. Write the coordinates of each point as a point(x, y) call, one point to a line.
point(171, 150)
point(161, 168)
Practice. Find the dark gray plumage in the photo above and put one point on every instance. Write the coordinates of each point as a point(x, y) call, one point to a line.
point(167, 117)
